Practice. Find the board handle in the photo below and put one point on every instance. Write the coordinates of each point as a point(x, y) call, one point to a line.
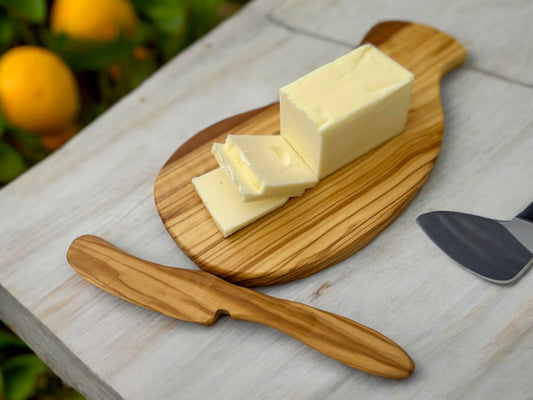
point(417, 47)
point(527, 214)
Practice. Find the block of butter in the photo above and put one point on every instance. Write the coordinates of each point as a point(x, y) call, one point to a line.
point(225, 205)
point(263, 166)
point(343, 109)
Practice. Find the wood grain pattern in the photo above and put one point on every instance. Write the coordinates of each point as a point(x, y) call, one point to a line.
point(198, 296)
point(346, 210)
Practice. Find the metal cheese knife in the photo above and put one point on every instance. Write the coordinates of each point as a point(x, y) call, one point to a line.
point(200, 297)
point(500, 251)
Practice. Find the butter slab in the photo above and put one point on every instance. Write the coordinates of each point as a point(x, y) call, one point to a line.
point(225, 205)
point(263, 166)
point(343, 109)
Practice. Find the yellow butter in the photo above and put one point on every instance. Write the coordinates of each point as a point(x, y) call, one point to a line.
point(343, 109)
point(263, 166)
point(225, 205)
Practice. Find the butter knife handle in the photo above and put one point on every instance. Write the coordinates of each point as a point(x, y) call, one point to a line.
point(527, 214)
point(333, 335)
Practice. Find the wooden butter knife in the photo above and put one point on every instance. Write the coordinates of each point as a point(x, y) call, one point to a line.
point(199, 296)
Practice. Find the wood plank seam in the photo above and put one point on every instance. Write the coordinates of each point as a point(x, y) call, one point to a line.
point(280, 24)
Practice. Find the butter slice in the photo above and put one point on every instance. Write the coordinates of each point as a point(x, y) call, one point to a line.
point(263, 166)
point(343, 109)
point(225, 205)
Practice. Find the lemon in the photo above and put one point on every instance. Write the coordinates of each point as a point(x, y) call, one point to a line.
point(38, 91)
point(93, 20)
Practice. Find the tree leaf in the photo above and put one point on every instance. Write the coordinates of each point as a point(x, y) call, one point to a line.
point(11, 163)
point(3, 124)
point(1, 385)
point(204, 16)
point(30, 10)
point(7, 33)
point(84, 55)
point(20, 375)
point(9, 340)
point(169, 16)
point(170, 45)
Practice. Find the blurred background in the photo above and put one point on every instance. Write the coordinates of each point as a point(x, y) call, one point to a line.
point(63, 63)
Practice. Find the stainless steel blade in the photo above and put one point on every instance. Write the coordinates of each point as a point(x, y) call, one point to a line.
point(522, 231)
point(499, 251)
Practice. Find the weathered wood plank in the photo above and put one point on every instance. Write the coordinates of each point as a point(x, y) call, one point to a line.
point(468, 337)
point(495, 32)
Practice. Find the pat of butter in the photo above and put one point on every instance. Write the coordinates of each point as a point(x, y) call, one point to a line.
point(263, 166)
point(343, 109)
point(225, 205)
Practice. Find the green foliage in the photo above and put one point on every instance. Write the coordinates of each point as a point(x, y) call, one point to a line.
point(19, 368)
point(82, 55)
point(203, 15)
point(23, 376)
point(33, 11)
point(105, 71)
point(168, 16)
point(7, 33)
point(10, 341)
point(11, 163)
point(167, 25)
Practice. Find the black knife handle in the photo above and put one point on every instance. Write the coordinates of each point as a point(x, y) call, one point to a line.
point(527, 214)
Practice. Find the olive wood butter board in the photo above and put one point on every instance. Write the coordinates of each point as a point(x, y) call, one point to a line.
point(346, 210)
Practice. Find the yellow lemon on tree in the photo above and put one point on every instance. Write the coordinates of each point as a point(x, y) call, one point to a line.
point(94, 20)
point(38, 91)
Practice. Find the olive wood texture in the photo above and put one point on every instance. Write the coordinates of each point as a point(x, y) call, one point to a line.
point(346, 210)
point(198, 296)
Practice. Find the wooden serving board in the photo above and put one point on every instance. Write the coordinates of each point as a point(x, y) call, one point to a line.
point(346, 210)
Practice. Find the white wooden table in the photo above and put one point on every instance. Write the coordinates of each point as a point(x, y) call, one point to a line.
point(469, 338)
